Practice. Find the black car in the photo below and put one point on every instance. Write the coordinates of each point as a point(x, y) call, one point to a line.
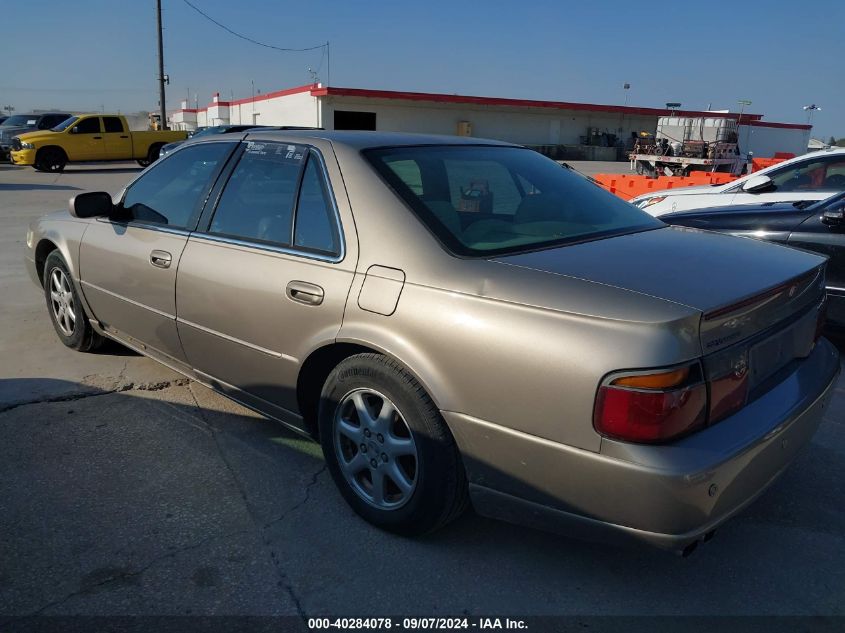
point(814, 226)
point(228, 129)
point(22, 123)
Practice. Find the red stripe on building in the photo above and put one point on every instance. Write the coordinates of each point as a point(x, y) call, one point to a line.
point(519, 103)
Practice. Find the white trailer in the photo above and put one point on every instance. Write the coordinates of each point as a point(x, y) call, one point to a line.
point(685, 144)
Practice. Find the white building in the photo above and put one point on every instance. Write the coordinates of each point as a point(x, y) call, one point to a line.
point(581, 130)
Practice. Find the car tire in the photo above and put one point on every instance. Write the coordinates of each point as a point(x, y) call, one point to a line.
point(152, 156)
point(64, 307)
point(50, 159)
point(407, 447)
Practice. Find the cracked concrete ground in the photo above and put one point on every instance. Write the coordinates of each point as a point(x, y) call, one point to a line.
point(125, 489)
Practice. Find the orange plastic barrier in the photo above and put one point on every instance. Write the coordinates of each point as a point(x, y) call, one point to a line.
point(628, 186)
point(761, 163)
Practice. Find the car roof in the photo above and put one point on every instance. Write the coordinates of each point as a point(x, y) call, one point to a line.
point(363, 139)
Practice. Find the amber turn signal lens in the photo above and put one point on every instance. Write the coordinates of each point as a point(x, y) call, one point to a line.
point(661, 380)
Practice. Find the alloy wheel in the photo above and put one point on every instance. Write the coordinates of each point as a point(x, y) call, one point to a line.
point(375, 449)
point(61, 301)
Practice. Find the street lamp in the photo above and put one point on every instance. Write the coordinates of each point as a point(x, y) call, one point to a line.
point(626, 87)
point(742, 103)
point(809, 109)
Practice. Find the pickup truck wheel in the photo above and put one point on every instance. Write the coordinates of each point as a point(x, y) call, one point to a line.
point(152, 156)
point(388, 448)
point(66, 311)
point(50, 159)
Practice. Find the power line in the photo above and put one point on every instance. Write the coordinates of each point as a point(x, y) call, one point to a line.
point(249, 39)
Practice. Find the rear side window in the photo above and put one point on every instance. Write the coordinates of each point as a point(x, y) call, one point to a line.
point(112, 124)
point(171, 193)
point(258, 201)
point(88, 126)
point(316, 228)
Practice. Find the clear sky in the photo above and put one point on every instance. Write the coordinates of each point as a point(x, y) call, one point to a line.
point(93, 54)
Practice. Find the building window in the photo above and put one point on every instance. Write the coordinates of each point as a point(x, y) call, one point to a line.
point(349, 120)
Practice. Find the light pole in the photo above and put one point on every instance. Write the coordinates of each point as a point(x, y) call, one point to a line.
point(742, 103)
point(161, 76)
point(626, 87)
point(809, 109)
point(9, 109)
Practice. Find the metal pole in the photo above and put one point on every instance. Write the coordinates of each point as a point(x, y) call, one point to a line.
point(328, 64)
point(163, 110)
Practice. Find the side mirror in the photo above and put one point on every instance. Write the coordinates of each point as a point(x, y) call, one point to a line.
point(834, 217)
point(757, 184)
point(93, 204)
point(74, 129)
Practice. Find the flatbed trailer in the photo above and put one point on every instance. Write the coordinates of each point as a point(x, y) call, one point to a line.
point(659, 165)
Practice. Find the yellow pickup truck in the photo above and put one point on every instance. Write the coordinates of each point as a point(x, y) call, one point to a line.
point(89, 137)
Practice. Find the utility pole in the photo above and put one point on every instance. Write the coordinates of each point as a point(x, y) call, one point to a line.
point(162, 109)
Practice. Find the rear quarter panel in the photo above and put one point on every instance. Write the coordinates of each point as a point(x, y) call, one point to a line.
point(517, 365)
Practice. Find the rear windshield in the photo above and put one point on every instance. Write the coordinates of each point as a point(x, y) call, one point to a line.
point(486, 200)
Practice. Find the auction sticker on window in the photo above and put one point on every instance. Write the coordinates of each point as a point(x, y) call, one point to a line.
point(281, 152)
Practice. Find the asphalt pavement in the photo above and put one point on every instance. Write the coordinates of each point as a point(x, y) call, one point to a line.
point(126, 489)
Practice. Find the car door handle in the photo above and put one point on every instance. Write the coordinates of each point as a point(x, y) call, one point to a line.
point(161, 259)
point(303, 292)
point(123, 136)
point(98, 137)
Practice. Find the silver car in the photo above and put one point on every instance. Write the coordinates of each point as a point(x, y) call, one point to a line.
point(458, 320)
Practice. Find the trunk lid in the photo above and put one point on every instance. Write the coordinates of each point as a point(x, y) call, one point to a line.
point(741, 286)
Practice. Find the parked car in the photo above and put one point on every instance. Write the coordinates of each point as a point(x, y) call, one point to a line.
point(21, 123)
point(229, 129)
point(209, 131)
point(814, 176)
point(455, 318)
point(89, 137)
point(814, 226)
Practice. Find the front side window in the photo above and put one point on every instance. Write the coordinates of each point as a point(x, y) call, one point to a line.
point(90, 125)
point(258, 201)
point(488, 200)
point(172, 191)
point(821, 174)
point(112, 124)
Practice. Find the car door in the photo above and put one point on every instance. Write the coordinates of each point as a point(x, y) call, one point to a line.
point(128, 262)
point(118, 143)
point(828, 239)
point(86, 140)
point(265, 278)
point(815, 178)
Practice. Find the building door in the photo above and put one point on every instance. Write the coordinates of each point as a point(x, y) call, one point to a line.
point(352, 120)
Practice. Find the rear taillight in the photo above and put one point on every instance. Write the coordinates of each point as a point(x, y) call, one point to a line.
point(652, 406)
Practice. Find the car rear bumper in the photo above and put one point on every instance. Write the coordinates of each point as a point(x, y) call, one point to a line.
point(669, 495)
